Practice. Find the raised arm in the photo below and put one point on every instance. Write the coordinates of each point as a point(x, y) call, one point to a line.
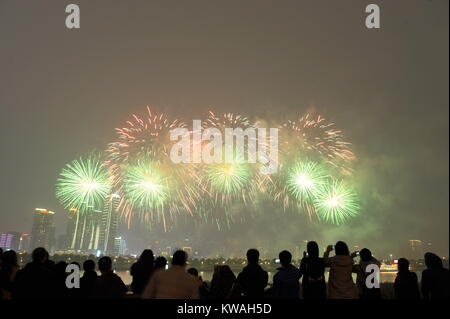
point(326, 255)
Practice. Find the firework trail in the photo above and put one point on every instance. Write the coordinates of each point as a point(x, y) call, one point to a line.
point(318, 139)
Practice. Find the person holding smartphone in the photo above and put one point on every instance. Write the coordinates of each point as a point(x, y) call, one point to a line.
point(312, 268)
point(340, 282)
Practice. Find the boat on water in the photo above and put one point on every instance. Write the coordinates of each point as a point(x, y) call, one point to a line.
point(389, 267)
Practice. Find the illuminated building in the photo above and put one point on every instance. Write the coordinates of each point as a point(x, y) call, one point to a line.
point(43, 231)
point(95, 230)
point(10, 240)
point(25, 242)
point(109, 225)
point(417, 249)
point(119, 246)
point(83, 230)
point(72, 229)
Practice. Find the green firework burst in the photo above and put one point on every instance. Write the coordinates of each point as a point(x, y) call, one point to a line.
point(336, 202)
point(305, 179)
point(146, 186)
point(229, 178)
point(83, 184)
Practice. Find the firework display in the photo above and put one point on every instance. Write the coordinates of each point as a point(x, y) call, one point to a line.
point(83, 184)
point(336, 202)
point(146, 186)
point(305, 179)
point(314, 173)
point(150, 184)
point(232, 181)
point(315, 137)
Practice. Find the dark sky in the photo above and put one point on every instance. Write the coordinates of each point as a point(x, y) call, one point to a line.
point(63, 91)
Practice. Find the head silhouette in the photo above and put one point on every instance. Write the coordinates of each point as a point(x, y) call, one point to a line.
point(403, 264)
point(76, 263)
point(225, 269)
point(105, 264)
point(313, 249)
point(147, 258)
point(433, 261)
point(252, 256)
point(39, 255)
point(341, 248)
point(179, 258)
point(285, 258)
point(60, 267)
point(160, 262)
point(89, 265)
point(9, 259)
point(365, 254)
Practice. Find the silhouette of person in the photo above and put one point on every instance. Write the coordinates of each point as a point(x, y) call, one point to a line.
point(61, 292)
point(253, 279)
point(8, 272)
point(142, 270)
point(405, 284)
point(434, 278)
point(174, 283)
point(360, 269)
point(160, 263)
point(202, 287)
point(312, 268)
point(89, 278)
point(37, 279)
point(108, 285)
point(340, 282)
point(222, 283)
point(286, 280)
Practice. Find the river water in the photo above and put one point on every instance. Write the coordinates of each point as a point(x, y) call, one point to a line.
point(385, 277)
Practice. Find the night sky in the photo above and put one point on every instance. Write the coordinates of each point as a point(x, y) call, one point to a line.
point(62, 93)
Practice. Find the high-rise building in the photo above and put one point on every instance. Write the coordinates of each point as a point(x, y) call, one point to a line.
point(25, 243)
point(119, 246)
point(83, 230)
point(72, 229)
point(109, 225)
point(43, 231)
point(416, 249)
point(10, 240)
point(95, 230)
point(61, 242)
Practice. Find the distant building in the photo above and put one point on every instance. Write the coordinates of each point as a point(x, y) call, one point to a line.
point(71, 229)
point(83, 230)
point(417, 248)
point(61, 242)
point(119, 246)
point(109, 225)
point(10, 240)
point(43, 231)
point(25, 243)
